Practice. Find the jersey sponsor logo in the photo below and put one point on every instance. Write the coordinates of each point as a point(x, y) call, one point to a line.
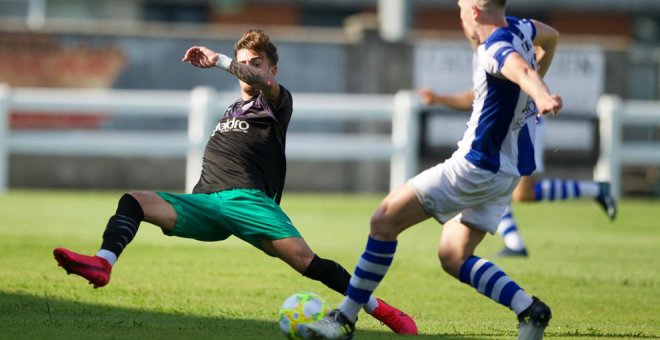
point(232, 125)
point(529, 111)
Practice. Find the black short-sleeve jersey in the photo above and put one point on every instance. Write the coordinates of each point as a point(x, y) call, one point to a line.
point(246, 149)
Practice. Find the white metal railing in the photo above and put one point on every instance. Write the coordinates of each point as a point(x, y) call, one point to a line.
point(203, 106)
point(615, 152)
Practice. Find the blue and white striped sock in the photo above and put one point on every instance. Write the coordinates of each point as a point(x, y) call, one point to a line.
point(369, 271)
point(549, 189)
point(509, 231)
point(491, 281)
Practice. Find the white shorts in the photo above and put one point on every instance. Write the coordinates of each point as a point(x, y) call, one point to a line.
point(456, 189)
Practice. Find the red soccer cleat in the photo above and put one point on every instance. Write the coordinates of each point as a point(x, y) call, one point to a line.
point(396, 320)
point(95, 269)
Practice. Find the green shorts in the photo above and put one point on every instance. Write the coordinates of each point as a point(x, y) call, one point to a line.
point(245, 213)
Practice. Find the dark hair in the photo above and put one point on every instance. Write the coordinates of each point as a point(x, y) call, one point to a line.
point(257, 40)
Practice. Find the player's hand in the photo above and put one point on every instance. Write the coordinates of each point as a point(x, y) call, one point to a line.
point(201, 56)
point(551, 104)
point(426, 95)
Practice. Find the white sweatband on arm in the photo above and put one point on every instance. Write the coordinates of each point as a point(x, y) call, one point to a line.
point(223, 61)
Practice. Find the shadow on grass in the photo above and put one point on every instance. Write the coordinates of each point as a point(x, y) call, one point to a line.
point(32, 317)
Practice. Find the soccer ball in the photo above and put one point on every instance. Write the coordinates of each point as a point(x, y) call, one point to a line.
point(298, 310)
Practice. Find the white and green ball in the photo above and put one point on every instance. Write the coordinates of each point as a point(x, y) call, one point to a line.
point(298, 310)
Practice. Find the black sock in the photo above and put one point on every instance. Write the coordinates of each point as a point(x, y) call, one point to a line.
point(330, 273)
point(123, 225)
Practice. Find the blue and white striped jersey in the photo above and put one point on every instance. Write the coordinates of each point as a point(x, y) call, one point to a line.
point(500, 133)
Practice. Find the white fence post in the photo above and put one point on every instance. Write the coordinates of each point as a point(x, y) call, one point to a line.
point(608, 166)
point(405, 138)
point(5, 92)
point(202, 100)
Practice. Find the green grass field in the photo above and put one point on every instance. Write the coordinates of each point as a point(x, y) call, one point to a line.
point(602, 279)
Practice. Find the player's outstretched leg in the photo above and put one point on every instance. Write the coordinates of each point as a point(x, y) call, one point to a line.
point(93, 268)
point(533, 320)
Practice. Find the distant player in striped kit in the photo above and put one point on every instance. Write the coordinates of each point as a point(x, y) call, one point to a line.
point(531, 188)
point(469, 192)
point(535, 189)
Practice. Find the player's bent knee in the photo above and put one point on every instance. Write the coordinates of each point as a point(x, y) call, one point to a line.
point(382, 228)
point(140, 196)
point(292, 250)
point(450, 261)
point(148, 200)
point(129, 201)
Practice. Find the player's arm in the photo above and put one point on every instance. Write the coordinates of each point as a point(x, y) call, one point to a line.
point(459, 101)
point(260, 79)
point(516, 69)
point(545, 42)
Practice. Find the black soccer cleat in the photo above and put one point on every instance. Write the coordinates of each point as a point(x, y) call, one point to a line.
point(534, 320)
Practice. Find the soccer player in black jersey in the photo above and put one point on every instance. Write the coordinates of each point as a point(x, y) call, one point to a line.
point(240, 187)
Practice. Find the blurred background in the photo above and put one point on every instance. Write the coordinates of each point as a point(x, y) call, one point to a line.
point(357, 47)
